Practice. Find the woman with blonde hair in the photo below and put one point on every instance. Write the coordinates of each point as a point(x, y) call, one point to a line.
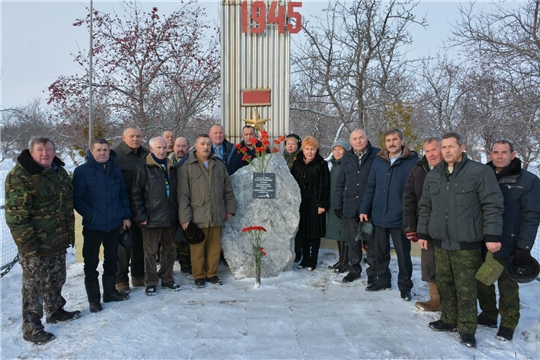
point(311, 172)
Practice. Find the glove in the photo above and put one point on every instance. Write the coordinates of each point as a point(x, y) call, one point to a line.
point(339, 213)
point(522, 257)
point(412, 236)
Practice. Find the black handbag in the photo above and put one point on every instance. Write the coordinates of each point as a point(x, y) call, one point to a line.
point(125, 239)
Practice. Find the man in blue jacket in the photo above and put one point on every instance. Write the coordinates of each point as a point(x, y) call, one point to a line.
point(100, 196)
point(521, 216)
point(350, 188)
point(383, 199)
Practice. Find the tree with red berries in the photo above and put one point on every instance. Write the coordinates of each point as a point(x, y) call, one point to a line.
point(152, 70)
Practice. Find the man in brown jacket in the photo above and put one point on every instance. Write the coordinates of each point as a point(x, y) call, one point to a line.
point(206, 198)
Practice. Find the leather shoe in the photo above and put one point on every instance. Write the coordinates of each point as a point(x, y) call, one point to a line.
point(39, 338)
point(350, 277)
point(378, 286)
point(484, 321)
point(468, 340)
point(406, 295)
point(505, 333)
point(440, 325)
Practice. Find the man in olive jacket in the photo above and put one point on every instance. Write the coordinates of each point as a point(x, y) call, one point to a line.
point(460, 210)
point(206, 198)
point(39, 213)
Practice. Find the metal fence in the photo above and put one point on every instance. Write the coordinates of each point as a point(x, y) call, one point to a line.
point(9, 249)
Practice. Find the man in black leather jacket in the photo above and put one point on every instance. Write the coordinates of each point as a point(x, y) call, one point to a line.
point(153, 199)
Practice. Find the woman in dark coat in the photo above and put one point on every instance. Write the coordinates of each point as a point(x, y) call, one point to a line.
point(311, 172)
point(336, 229)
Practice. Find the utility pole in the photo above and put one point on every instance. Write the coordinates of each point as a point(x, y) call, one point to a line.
point(90, 125)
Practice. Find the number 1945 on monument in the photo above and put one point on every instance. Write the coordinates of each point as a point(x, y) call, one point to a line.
point(257, 16)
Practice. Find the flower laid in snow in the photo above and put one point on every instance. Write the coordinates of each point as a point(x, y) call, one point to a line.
point(254, 234)
point(261, 147)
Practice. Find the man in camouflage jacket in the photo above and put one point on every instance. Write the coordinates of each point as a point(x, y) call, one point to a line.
point(39, 213)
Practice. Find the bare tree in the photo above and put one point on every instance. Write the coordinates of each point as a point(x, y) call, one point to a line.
point(350, 66)
point(21, 123)
point(506, 37)
point(504, 44)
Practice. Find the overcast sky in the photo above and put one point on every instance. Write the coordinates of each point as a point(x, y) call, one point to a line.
point(38, 39)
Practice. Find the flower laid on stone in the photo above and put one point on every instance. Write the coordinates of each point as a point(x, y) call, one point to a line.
point(261, 147)
point(254, 234)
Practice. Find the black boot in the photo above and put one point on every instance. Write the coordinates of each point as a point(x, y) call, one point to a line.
point(94, 297)
point(337, 265)
point(344, 266)
point(297, 248)
point(109, 291)
point(315, 245)
point(306, 253)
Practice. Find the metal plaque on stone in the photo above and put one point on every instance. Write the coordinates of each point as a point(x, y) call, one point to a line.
point(264, 185)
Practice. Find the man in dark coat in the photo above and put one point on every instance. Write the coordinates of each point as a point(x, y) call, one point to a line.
point(100, 196)
point(39, 213)
point(521, 192)
point(411, 196)
point(350, 188)
point(384, 193)
point(154, 203)
point(460, 210)
point(128, 154)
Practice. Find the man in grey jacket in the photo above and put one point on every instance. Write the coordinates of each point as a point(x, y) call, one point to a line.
point(206, 198)
point(460, 211)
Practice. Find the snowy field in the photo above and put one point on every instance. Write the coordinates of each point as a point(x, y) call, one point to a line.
point(298, 315)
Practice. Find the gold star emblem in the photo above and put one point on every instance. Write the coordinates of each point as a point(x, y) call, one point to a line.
point(256, 122)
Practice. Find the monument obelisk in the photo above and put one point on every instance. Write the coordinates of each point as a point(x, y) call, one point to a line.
point(255, 66)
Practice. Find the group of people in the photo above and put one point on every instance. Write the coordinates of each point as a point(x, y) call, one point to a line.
point(156, 193)
point(455, 208)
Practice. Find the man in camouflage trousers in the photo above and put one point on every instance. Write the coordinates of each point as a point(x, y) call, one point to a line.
point(460, 211)
point(521, 192)
point(39, 213)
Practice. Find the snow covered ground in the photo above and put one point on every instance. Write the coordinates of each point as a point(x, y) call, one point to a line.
point(297, 315)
